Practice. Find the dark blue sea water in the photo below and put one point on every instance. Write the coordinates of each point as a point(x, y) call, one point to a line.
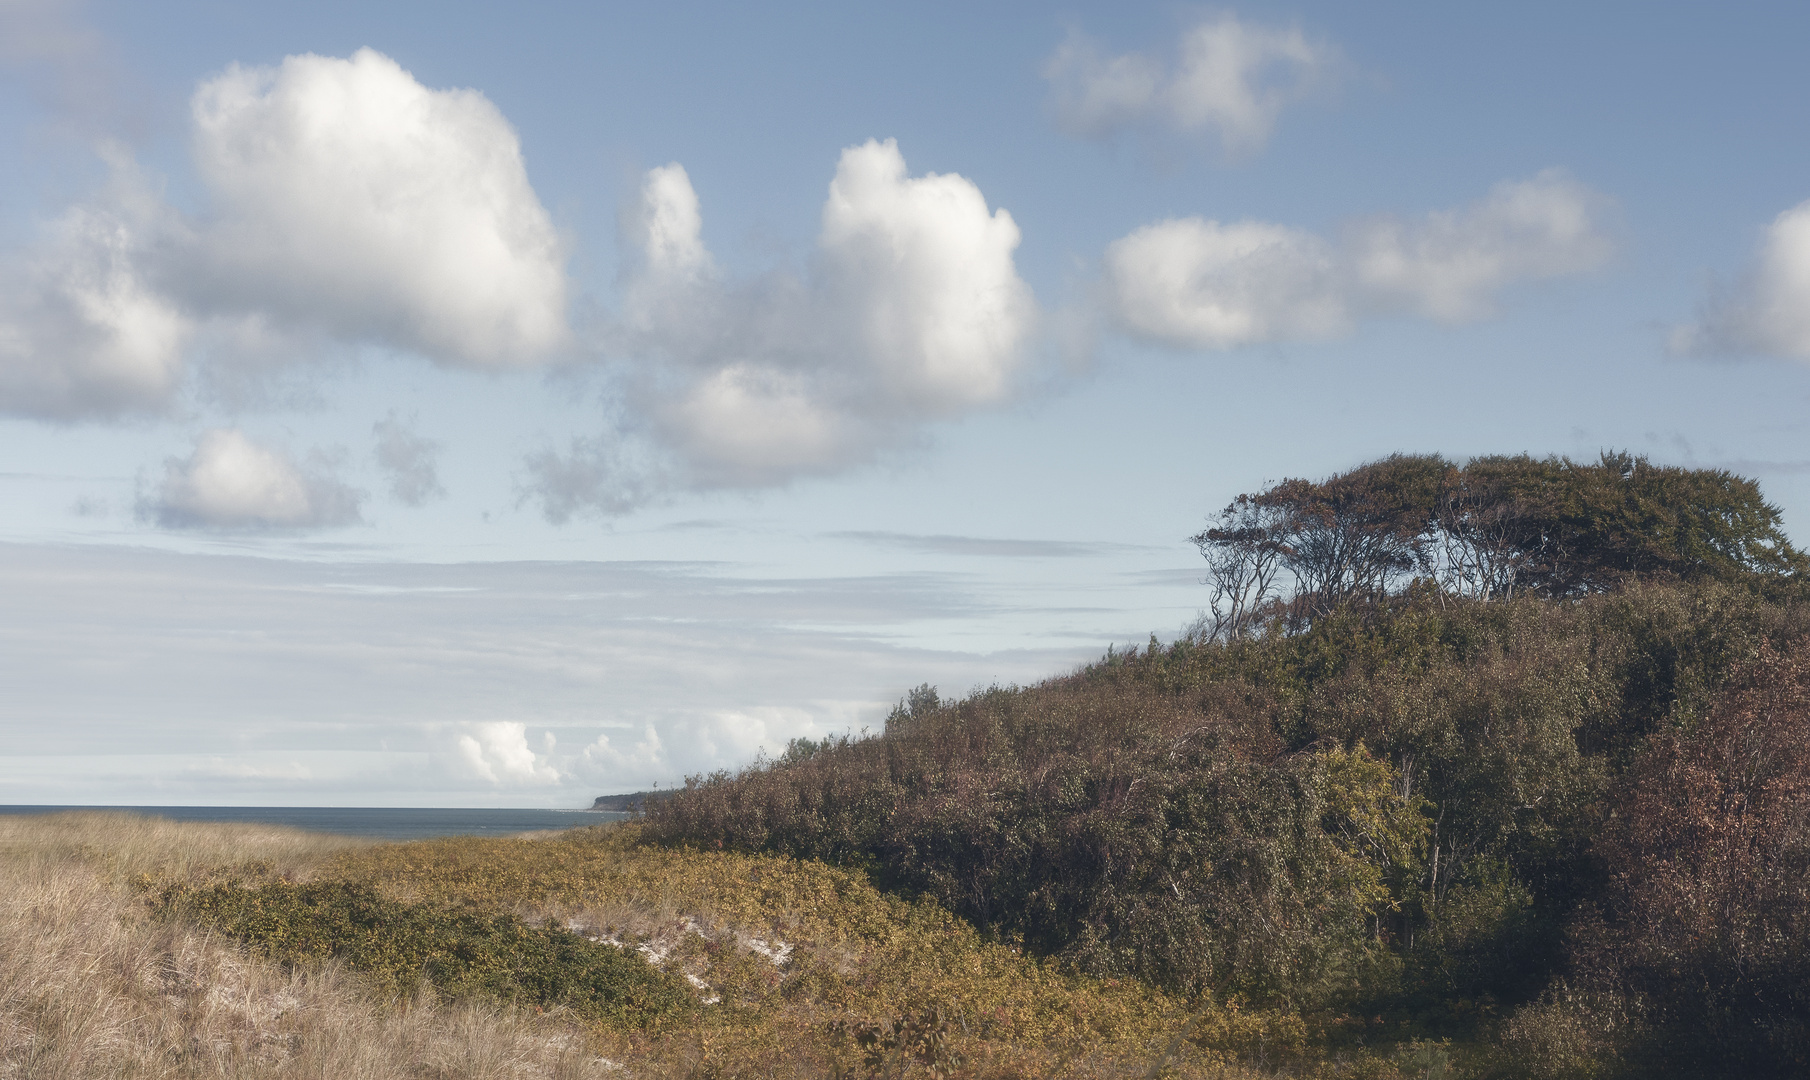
point(387, 823)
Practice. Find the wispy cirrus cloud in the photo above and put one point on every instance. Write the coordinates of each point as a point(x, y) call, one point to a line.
point(986, 546)
point(50, 47)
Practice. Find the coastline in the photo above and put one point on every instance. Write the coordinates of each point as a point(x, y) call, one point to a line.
point(382, 823)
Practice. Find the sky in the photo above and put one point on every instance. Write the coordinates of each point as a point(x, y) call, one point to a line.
point(452, 405)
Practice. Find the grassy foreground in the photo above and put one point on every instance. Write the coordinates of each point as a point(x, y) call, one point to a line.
point(139, 947)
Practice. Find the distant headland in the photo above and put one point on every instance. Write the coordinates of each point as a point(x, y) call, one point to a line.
point(626, 804)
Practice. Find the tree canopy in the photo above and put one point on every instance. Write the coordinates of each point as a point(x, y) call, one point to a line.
point(1492, 528)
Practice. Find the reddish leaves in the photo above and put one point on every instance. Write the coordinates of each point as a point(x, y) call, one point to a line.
point(1709, 856)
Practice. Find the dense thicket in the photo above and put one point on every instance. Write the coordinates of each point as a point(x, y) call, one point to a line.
point(1705, 914)
point(1574, 811)
point(1129, 829)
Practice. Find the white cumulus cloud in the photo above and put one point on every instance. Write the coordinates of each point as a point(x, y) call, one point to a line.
point(753, 424)
point(911, 310)
point(349, 197)
point(1197, 283)
point(923, 276)
point(670, 226)
point(231, 483)
point(1451, 265)
point(498, 751)
point(82, 332)
point(1228, 76)
point(1769, 312)
point(342, 200)
point(616, 767)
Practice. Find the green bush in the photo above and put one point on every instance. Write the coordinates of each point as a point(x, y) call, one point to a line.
point(400, 946)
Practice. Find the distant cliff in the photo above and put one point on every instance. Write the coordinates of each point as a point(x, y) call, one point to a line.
point(623, 804)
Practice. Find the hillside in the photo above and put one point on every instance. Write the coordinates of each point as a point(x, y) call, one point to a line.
point(1549, 799)
point(1574, 829)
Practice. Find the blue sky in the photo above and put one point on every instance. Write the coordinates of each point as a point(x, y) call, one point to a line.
point(438, 405)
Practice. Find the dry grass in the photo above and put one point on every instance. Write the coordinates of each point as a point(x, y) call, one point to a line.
point(798, 961)
point(120, 846)
point(90, 986)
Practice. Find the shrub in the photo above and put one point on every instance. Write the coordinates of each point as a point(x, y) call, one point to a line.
point(1706, 918)
point(1125, 831)
point(400, 946)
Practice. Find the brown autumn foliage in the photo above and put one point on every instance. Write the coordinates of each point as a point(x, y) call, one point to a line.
point(1706, 918)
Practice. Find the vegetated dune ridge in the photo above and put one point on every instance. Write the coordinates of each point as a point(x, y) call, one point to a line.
point(1514, 754)
point(109, 966)
point(1572, 838)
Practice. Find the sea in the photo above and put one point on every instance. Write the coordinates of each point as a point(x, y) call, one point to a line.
point(378, 822)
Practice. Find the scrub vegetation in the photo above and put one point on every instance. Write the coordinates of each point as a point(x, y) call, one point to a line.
point(1510, 759)
point(1499, 770)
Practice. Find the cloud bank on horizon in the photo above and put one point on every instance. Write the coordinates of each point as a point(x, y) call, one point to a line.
point(156, 679)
